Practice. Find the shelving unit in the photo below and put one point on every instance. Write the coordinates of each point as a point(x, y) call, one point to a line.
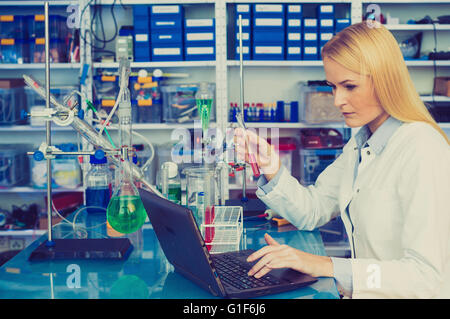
point(279, 77)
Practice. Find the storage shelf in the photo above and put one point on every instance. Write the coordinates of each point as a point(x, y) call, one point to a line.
point(29, 189)
point(129, 2)
point(23, 232)
point(233, 63)
point(29, 66)
point(436, 98)
point(162, 126)
point(38, 3)
point(303, 63)
point(169, 64)
point(417, 27)
point(408, 2)
point(445, 126)
point(23, 128)
point(289, 125)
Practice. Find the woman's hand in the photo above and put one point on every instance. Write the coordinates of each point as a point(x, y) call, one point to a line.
point(265, 155)
point(275, 255)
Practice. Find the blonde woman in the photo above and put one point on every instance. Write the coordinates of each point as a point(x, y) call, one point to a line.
point(391, 184)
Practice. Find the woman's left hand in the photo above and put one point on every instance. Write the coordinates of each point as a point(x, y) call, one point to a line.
point(275, 255)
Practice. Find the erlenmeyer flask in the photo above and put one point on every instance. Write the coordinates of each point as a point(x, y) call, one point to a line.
point(126, 212)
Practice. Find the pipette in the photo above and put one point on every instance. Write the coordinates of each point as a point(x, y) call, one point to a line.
point(251, 156)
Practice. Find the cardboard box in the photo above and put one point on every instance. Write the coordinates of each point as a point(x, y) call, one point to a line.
point(442, 86)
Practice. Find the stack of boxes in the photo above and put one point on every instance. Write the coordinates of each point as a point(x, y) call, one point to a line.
point(199, 39)
point(310, 39)
point(245, 11)
point(166, 27)
point(268, 31)
point(294, 37)
point(141, 20)
point(22, 39)
point(14, 46)
point(284, 31)
point(57, 31)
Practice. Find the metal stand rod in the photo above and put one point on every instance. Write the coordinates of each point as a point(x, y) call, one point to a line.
point(48, 123)
point(241, 76)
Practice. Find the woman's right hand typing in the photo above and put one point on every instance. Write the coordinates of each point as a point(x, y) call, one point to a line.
point(265, 155)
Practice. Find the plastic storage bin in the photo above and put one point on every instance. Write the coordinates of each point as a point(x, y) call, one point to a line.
point(12, 102)
point(314, 161)
point(57, 26)
point(106, 88)
point(36, 102)
point(58, 51)
point(66, 171)
point(179, 103)
point(14, 27)
point(14, 51)
point(317, 104)
point(14, 165)
point(146, 100)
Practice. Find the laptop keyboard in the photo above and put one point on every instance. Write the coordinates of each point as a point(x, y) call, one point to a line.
point(234, 272)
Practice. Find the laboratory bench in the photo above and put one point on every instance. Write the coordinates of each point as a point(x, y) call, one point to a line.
point(145, 274)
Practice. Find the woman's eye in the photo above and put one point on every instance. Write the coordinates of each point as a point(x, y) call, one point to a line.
point(350, 87)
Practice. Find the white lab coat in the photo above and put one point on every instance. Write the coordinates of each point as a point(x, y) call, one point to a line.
point(400, 204)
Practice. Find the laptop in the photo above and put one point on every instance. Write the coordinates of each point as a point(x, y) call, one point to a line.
point(222, 274)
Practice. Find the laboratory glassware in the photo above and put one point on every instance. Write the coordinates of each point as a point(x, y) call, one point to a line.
point(169, 183)
point(98, 185)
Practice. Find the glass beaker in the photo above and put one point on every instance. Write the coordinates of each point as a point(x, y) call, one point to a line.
point(200, 191)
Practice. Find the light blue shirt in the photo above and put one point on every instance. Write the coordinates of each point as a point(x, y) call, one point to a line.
point(377, 141)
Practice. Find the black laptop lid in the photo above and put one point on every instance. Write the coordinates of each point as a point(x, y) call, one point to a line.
point(181, 241)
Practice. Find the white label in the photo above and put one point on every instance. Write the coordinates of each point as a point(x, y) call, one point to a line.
point(243, 8)
point(244, 50)
point(164, 37)
point(326, 36)
point(326, 22)
point(342, 20)
point(268, 50)
point(166, 51)
point(294, 8)
point(326, 8)
point(165, 23)
point(294, 22)
point(245, 22)
point(245, 36)
point(200, 36)
point(269, 22)
point(310, 36)
point(200, 50)
point(141, 37)
point(294, 36)
point(165, 9)
point(269, 8)
point(293, 50)
point(310, 50)
point(310, 22)
point(199, 22)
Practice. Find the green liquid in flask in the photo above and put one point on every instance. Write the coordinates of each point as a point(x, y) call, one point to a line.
point(126, 213)
point(204, 111)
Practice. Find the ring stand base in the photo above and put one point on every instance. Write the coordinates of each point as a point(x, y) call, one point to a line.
point(87, 249)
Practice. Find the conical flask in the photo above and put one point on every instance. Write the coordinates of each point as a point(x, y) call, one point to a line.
point(126, 212)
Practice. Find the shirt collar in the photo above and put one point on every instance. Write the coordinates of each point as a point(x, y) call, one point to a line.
point(378, 140)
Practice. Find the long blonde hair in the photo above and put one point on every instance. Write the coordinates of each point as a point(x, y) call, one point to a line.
point(368, 48)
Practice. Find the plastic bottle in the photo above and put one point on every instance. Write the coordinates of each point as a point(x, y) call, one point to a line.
point(98, 185)
point(169, 183)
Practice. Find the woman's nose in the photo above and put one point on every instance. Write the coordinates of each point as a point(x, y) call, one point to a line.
point(339, 98)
